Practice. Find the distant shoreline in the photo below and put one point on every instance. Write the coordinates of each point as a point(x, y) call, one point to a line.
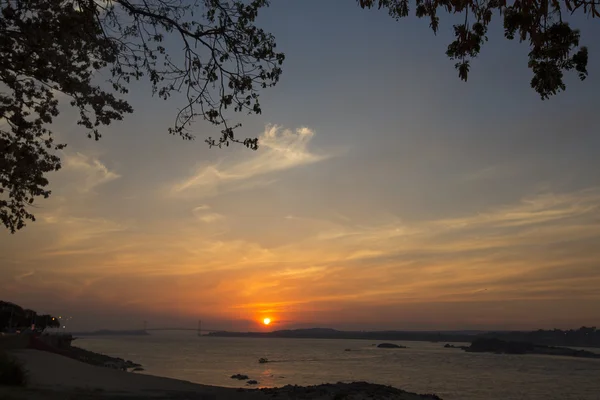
point(572, 338)
point(109, 332)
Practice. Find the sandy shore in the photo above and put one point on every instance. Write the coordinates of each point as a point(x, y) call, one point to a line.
point(54, 377)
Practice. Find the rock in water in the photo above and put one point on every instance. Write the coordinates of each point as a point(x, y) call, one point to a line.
point(390, 346)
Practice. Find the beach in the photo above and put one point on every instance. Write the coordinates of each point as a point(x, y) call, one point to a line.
point(54, 377)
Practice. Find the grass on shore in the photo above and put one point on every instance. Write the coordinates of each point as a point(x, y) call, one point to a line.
point(12, 372)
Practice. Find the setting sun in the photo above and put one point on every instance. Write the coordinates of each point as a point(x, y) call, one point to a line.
point(267, 321)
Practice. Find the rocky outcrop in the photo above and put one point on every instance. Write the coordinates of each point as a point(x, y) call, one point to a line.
point(498, 346)
point(239, 377)
point(354, 390)
point(451, 346)
point(79, 354)
point(390, 346)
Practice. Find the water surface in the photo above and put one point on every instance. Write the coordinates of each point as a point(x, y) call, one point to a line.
point(423, 367)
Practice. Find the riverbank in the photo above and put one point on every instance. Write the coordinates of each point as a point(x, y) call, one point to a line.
point(62, 345)
point(54, 377)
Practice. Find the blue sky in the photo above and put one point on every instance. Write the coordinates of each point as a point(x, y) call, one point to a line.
point(387, 194)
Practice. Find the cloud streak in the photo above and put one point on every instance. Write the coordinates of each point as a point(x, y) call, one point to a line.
point(94, 172)
point(280, 149)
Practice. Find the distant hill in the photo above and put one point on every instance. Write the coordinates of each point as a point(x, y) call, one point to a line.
point(327, 333)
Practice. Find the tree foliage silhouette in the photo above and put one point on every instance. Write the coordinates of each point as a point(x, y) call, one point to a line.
point(52, 47)
point(49, 47)
point(554, 44)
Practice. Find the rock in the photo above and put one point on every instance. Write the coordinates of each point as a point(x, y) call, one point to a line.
point(239, 377)
point(137, 369)
point(263, 360)
point(451, 346)
point(340, 390)
point(252, 382)
point(390, 346)
point(348, 350)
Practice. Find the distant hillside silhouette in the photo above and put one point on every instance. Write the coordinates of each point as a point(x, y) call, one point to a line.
point(582, 337)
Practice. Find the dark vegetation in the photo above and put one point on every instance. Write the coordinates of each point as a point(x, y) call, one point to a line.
point(582, 337)
point(554, 44)
point(14, 317)
point(498, 346)
point(220, 61)
point(12, 372)
point(17, 319)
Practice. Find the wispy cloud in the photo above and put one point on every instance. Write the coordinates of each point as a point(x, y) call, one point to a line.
point(280, 149)
point(203, 213)
point(79, 235)
point(532, 210)
point(541, 248)
point(24, 275)
point(94, 172)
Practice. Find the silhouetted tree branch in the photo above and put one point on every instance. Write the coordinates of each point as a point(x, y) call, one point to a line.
point(51, 47)
point(554, 44)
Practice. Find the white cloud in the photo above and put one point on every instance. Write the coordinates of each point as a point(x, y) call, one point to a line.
point(94, 171)
point(280, 149)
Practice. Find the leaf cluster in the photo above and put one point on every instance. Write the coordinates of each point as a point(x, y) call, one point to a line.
point(554, 45)
point(65, 47)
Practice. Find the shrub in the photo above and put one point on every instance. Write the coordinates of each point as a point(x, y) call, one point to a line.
point(12, 372)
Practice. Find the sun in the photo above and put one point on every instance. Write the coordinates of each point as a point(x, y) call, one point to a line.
point(267, 321)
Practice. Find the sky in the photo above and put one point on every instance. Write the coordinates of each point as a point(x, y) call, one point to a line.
point(386, 194)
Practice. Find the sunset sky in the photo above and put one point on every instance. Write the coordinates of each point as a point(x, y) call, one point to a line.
point(387, 194)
